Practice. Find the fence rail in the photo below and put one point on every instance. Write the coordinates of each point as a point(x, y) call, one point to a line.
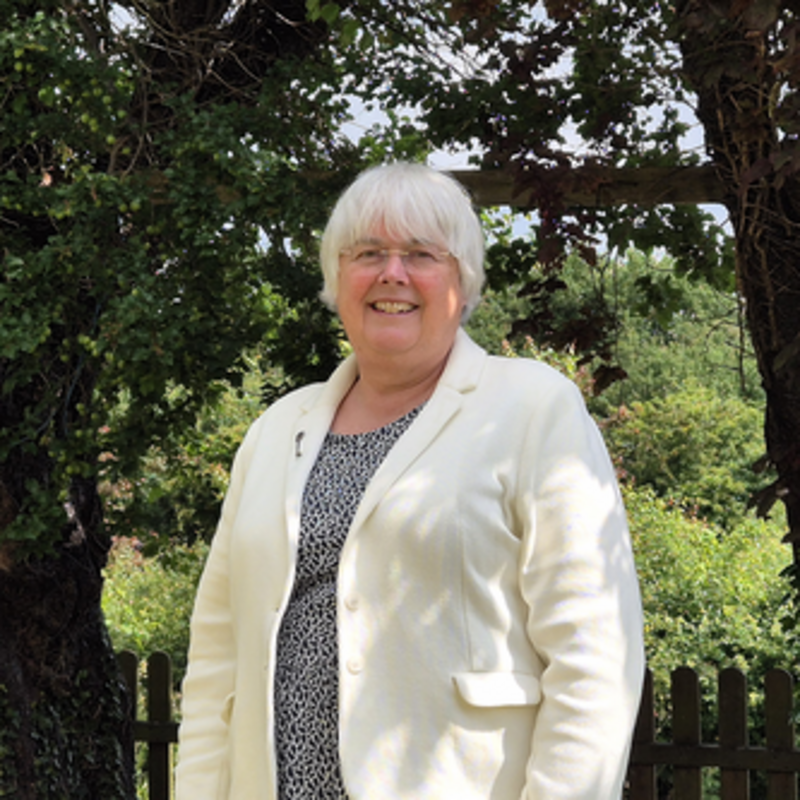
point(779, 758)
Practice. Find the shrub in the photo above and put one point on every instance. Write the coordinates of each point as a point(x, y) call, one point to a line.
point(147, 602)
point(711, 599)
point(693, 446)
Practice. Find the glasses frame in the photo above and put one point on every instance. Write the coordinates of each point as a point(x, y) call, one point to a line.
point(385, 253)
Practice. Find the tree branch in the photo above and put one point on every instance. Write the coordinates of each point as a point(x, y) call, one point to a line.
point(593, 187)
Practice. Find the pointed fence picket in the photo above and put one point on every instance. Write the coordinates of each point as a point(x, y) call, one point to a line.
point(687, 754)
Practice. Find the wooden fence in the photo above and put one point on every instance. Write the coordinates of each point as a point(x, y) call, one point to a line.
point(159, 730)
point(778, 759)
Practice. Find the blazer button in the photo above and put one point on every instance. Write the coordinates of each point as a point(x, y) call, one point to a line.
point(352, 602)
point(354, 665)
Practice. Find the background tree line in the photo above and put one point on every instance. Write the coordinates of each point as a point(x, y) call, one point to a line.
point(164, 171)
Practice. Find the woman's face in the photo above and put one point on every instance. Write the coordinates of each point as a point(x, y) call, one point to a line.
point(400, 308)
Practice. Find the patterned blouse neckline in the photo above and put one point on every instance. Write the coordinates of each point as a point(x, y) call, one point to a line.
point(406, 418)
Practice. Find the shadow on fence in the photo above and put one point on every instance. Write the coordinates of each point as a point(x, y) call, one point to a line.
point(778, 759)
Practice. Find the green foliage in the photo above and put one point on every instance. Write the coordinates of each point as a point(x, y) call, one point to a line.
point(662, 327)
point(711, 600)
point(490, 323)
point(637, 318)
point(693, 447)
point(176, 493)
point(147, 601)
point(670, 329)
point(152, 229)
point(513, 82)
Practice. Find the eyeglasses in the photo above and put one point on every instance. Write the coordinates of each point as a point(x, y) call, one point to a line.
point(417, 258)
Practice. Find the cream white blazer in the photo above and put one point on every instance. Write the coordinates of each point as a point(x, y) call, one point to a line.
point(489, 619)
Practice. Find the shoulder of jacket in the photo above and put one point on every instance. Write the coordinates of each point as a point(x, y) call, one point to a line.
point(282, 413)
point(527, 373)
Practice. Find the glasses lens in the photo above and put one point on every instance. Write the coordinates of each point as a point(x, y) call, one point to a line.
point(368, 256)
point(421, 257)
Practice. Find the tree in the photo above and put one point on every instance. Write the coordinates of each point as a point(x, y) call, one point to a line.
point(154, 222)
point(575, 109)
point(669, 329)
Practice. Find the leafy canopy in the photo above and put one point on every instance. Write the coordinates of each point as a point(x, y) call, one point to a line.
point(155, 221)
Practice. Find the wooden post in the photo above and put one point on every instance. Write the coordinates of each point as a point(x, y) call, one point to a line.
point(159, 711)
point(686, 730)
point(778, 708)
point(734, 783)
point(642, 777)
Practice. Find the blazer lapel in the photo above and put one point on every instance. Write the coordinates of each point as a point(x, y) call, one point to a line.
point(308, 435)
point(461, 375)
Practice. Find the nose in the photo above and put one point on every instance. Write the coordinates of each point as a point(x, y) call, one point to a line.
point(394, 269)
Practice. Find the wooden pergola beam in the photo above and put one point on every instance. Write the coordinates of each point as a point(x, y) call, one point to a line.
point(595, 187)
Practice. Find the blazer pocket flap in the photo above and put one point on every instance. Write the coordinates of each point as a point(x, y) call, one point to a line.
point(489, 689)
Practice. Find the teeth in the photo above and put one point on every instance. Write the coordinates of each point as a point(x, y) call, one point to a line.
point(393, 308)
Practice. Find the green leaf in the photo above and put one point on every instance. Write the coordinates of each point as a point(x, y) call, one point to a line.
point(350, 30)
point(330, 12)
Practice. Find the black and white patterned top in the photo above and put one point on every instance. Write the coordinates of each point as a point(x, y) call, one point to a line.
point(306, 671)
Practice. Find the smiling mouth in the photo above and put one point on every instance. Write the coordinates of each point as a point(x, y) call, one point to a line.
point(393, 307)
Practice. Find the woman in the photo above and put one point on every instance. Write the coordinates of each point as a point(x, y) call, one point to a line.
point(421, 585)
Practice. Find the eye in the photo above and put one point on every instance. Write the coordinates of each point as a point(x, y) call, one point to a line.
point(424, 257)
point(367, 254)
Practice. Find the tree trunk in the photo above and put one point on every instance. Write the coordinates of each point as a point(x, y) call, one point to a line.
point(65, 729)
point(763, 199)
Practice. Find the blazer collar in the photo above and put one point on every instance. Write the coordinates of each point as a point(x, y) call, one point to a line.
point(464, 365)
point(461, 374)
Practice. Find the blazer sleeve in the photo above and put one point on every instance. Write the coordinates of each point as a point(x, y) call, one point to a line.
point(578, 579)
point(208, 686)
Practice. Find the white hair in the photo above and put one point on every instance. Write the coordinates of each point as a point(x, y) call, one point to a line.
point(410, 202)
